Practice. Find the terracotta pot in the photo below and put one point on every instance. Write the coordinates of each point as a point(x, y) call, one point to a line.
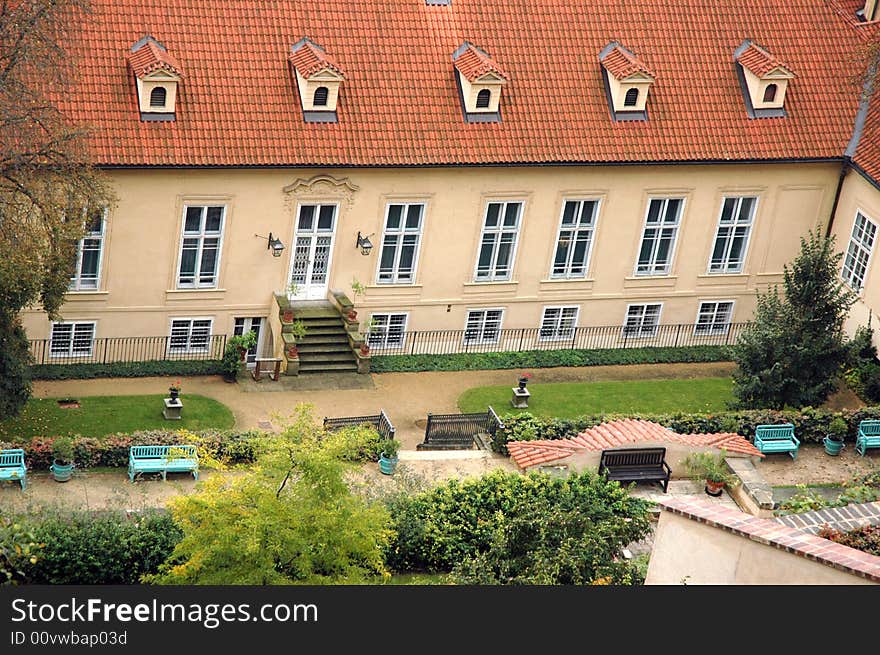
point(287, 316)
point(352, 315)
point(243, 353)
point(365, 349)
point(714, 488)
point(293, 351)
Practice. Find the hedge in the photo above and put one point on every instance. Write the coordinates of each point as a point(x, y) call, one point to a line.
point(157, 367)
point(548, 358)
point(810, 425)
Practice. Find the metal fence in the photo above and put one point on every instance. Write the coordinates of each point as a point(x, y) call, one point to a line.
point(379, 421)
point(450, 342)
point(125, 349)
point(457, 431)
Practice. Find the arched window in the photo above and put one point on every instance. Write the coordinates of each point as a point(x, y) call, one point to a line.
point(770, 93)
point(483, 98)
point(631, 99)
point(157, 97)
point(320, 99)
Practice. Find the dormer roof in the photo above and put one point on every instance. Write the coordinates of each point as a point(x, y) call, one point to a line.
point(148, 56)
point(623, 64)
point(308, 58)
point(475, 63)
point(761, 63)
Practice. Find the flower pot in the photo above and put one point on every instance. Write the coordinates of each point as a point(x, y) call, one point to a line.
point(173, 393)
point(387, 464)
point(833, 446)
point(714, 488)
point(365, 350)
point(287, 316)
point(352, 315)
point(61, 471)
point(292, 352)
point(523, 382)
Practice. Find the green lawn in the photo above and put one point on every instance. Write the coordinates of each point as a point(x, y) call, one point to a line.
point(571, 399)
point(102, 415)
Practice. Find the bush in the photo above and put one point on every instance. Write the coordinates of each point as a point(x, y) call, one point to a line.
point(866, 539)
point(548, 358)
point(810, 425)
point(82, 547)
point(126, 369)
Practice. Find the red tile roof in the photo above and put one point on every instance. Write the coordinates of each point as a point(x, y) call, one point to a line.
point(621, 63)
point(309, 59)
point(473, 63)
point(150, 57)
point(400, 106)
point(759, 61)
point(617, 434)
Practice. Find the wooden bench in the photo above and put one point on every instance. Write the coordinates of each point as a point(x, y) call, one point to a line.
point(869, 436)
point(163, 459)
point(636, 465)
point(270, 366)
point(12, 466)
point(777, 439)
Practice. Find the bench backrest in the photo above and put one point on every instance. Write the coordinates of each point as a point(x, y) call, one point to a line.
point(14, 457)
point(781, 431)
point(870, 428)
point(632, 457)
point(155, 452)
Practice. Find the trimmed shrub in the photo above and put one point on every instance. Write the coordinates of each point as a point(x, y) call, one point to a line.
point(866, 539)
point(126, 369)
point(548, 359)
point(810, 425)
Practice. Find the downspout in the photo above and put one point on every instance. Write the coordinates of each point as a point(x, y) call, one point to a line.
point(844, 169)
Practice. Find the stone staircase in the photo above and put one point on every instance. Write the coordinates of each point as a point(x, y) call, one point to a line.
point(325, 346)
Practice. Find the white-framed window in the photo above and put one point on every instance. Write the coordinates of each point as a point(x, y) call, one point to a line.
point(190, 335)
point(245, 324)
point(558, 323)
point(642, 320)
point(72, 339)
point(400, 243)
point(386, 330)
point(574, 243)
point(714, 317)
point(858, 253)
point(658, 236)
point(498, 241)
point(89, 253)
point(732, 236)
point(483, 326)
point(200, 246)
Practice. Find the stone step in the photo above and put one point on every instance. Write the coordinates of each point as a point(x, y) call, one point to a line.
point(321, 368)
point(314, 358)
point(340, 339)
point(307, 347)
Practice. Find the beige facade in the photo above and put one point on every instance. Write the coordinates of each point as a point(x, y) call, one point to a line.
point(139, 292)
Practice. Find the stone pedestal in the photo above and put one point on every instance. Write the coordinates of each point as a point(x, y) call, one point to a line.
point(172, 410)
point(520, 398)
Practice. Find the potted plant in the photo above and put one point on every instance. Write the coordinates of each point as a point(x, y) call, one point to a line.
point(62, 464)
point(232, 354)
point(388, 456)
point(174, 390)
point(524, 379)
point(357, 289)
point(287, 315)
point(833, 440)
point(365, 349)
point(711, 469)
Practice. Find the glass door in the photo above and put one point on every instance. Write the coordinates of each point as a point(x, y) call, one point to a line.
point(312, 249)
point(248, 324)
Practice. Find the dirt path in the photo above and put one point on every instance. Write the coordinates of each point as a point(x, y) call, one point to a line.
point(814, 466)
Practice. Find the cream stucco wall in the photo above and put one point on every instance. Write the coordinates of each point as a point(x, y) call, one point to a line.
point(688, 552)
point(138, 294)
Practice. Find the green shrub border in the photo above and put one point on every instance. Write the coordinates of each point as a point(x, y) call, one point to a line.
point(549, 358)
point(157, 367)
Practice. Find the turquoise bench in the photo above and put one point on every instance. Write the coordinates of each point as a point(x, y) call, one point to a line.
point(163, 459)
point(869, 436)
point(777, 439)
point(12, 466)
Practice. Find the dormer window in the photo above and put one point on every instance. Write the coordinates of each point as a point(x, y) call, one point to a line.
point(479, 81)
point(763, 80)
point(627, 81)
point(318, 79)
point(870, 12)
point(157, 76)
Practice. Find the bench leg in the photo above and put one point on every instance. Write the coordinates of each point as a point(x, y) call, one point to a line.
point(164, 476)
point(793, 454)
point(196, 474)
point(23, 483)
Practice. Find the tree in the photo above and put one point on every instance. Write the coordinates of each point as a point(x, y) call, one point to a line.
point(290, 519)
point(791, 353)
point(46, 180)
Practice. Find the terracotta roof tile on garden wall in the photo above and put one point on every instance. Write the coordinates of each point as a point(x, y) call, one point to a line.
point(622, 434)
point(400, 105)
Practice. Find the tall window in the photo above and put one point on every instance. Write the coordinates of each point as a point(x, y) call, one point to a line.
point(157, 97)
point(575, 240)
point(861, 243)
point(190, 335)
point(244, 325)
point(386, 330)
point(642, 320)
point(732, 237)
point(558, 323)
point(631, 99)
point(498, 241)
point(483, 326)
point(400, 243)
point(770, 93)
point(658, 237)
point(483, 97)
point(714, 318)
point(89, 250)
point(200, 247)
point(72, 339)
point(320, 99)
